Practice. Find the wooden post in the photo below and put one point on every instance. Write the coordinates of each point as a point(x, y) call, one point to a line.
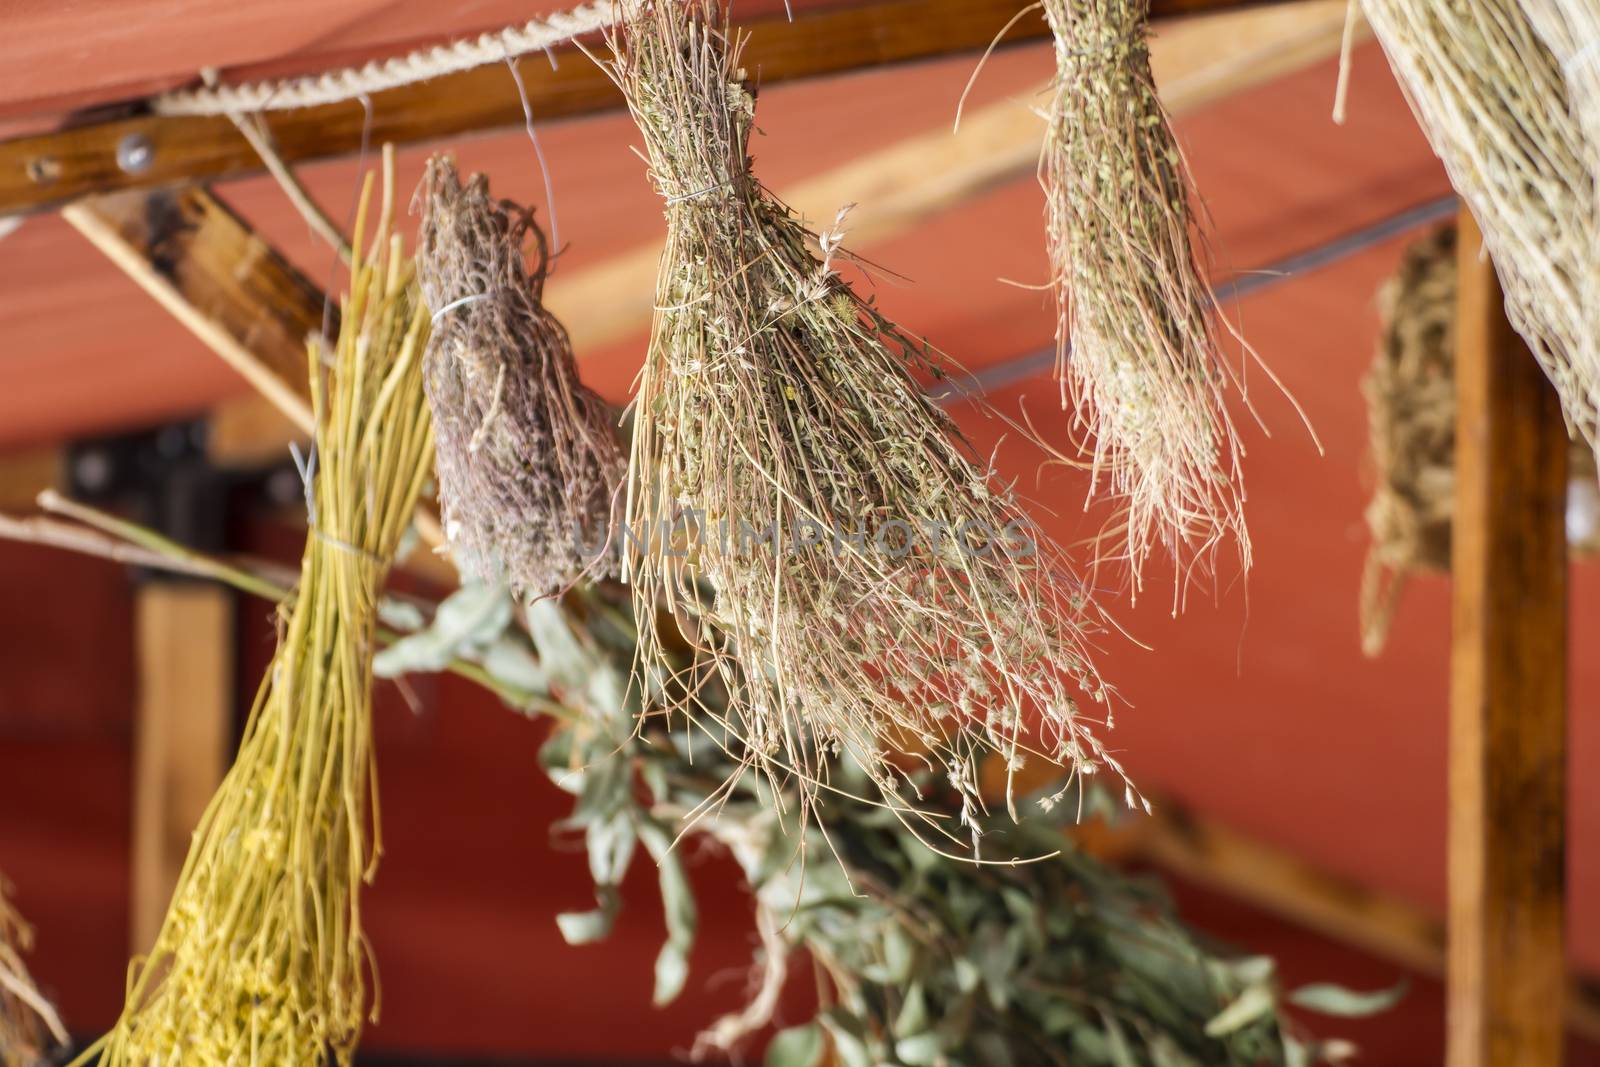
point(1507, 836)
point(185, 655)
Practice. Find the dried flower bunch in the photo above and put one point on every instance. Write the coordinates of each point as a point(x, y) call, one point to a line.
point(29, 1027)
point(873, 588)
point(1411, 413)
point(528, 460)
point(261, 957)
point(1138, 345)
point(1493, 100)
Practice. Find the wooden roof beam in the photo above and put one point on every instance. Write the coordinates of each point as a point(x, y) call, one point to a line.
point(53, 169)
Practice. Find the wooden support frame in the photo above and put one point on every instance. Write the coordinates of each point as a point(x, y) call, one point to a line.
point(1507, 833)
point(52, 169)
point(184, 633)
point(203, 264)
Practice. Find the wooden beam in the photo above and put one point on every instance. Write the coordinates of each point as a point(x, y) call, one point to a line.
point(202, 263)
point(184, 632)
point(1507, 835)
point(51, 169)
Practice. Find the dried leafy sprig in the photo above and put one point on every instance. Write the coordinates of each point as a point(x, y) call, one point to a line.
point(874, 589)
point(922, 959)
point(528, 460)
point(261, 957)
point(1138, 351)
point(29, 1026)
point(926, 959)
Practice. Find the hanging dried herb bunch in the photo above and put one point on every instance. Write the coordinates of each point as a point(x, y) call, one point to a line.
point(1138, 346)
point(29, 1027)
point(1491, 97)
point(873, 587)
point(528, 459)
point(1411, 415)
point(261, 957)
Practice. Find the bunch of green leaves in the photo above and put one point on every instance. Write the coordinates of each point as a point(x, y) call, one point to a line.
point(926, 959)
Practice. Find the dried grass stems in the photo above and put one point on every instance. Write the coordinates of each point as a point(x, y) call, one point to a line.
point(1139, 353)
point(1492, 100)
point(29, 1027)
point(261, 958)
point(529, 462)
point(1571, 30)
point(781, 434)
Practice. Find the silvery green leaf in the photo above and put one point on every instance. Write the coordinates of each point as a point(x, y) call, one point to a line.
point(1164, 1052)
point(509, 661)
point(565, 659)
point(677, 901)
point(1247, 1007)
point(1251, 970)
point(1329, 999)
point(921, 1050)
point(848, 1047)
point(587, 927)
point(798, 1046)
point(465, 623)
point(610, 844)
point(1117, 1047)
point(1295, 1053)
point(400, 614)
point(899, 952)
point(912, 1017)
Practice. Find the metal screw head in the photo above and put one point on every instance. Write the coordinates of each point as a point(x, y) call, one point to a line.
point(93, 471)
point(44, 170)
point(135, 153)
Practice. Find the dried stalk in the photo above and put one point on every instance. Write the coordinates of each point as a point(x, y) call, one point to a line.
point(876, 588)
point(1491, 98)
point(528, 460)
point(1138, 346)
point(261, 958)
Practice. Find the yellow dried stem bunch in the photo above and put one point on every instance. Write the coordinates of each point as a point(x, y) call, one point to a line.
point(873, 588)
point(1138, 348)
point(28, 1023)
point(1492, 99)
point(261, 958)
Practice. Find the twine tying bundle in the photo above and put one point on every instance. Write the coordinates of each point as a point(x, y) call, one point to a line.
point(830, 506)
point(1138, 349)
point(1411, 412)
point(528, 460)
point(261, 958)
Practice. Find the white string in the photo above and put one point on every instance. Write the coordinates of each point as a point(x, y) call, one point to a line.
point(538, 151)
point(473, 299)
point(349, 83)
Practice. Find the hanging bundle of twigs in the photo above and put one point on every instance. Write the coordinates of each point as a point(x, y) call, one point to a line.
point(1411, 414)
point(528, 460)
point(28, 1022)
point(1138, 344)
point(1491, 98)
point(879, 590)
point(261, 958)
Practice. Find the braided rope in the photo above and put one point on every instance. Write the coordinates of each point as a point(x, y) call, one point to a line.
point(352, 83)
